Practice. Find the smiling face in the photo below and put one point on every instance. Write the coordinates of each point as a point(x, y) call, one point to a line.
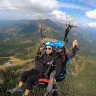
point(48, 49)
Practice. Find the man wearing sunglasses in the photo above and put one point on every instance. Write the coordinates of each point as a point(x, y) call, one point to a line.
point(50, 55)
point(31, 76)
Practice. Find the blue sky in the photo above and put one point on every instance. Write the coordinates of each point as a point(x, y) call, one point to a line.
point(78, 8)
point(77, 11)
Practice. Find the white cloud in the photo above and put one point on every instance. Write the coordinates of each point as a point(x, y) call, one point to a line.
point(91, 14)
point(82, 24)
point(33, 8)
point(60, 16)
point(92, 25)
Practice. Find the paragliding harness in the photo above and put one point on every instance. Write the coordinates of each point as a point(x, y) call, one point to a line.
point(64, 64)
point(43, 82)
point(67, 30)
point(65, 61)
point(63, 74)
point(40, 30)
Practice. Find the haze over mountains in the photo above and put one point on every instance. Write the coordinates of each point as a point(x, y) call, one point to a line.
point(49, 23)
point(28, 29)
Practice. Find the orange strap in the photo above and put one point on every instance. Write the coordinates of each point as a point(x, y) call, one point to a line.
point(43, 80)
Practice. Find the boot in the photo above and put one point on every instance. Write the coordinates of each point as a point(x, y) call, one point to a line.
point(17, 88)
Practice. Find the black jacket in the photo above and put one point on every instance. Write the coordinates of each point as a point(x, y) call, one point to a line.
point(41, 63)
point(66, 56)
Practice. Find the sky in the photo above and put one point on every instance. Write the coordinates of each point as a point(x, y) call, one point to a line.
point(77, 12)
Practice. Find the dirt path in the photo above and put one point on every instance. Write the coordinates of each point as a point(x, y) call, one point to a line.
point(15, 62)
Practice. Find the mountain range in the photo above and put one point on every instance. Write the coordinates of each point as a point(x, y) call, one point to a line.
point(26, 30)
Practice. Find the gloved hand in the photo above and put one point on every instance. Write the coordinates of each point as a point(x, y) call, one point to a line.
point(53, 80)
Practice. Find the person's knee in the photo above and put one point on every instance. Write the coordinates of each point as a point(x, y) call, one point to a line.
point(24, 77)
point(24, 74)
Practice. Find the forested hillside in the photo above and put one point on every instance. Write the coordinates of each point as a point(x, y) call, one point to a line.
point(80, 79)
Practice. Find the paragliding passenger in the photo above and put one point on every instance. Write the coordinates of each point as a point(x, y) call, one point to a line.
point(42, 64)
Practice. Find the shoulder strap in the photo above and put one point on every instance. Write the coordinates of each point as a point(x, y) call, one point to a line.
point(50, 64)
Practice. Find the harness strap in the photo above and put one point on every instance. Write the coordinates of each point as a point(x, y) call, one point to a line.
point(43, 80)
point(49, 67)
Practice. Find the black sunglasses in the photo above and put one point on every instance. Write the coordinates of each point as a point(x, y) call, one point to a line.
point(48, 48)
